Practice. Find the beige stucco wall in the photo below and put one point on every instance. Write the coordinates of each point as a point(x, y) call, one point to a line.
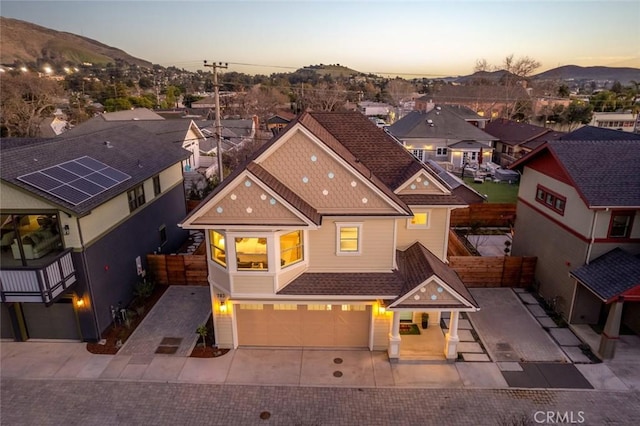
point(557, 250)
point(576, 214)
point(377, 242)
point(432, 237)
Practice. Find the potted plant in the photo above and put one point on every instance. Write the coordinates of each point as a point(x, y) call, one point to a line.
point(425, 320)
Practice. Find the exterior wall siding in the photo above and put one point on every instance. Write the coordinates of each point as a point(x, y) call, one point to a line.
point(252, 283)
point(557, 250)
point(224, 330)
point(12, 198)
point(111, 260)
point(576, 214)
point(432, 237)
point(381, 329)
point(377, 249)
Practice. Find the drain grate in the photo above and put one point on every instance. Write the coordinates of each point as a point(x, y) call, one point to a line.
point(337, 374)
point(171, 341)
point(503, 347)
point(167, 350)
point(337, 360)
point(265, 415)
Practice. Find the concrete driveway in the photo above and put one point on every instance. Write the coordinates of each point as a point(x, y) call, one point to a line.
point(508, 330)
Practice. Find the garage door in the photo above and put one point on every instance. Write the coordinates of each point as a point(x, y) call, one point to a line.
point(57, 321)
point(6, 330)
point(286, 325)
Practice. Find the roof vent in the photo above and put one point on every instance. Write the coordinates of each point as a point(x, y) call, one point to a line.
point(135, 119)
point(108, 144)
point(430, 121)
point(438, 108)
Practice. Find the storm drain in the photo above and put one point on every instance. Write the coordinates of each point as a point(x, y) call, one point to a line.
point(337, 360)
point(337, 374)
point(169, 345)
point(504, 352)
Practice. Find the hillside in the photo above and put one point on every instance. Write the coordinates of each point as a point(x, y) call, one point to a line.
point(574, 72)
point(334, 71)
point(25, 42)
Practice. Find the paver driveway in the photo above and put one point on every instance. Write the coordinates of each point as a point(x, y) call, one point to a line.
point(508, 331)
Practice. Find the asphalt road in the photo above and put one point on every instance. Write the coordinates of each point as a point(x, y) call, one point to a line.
point(82, 402)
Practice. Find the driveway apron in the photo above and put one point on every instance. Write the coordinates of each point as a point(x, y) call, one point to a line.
point(170, 327)
point(508, 330)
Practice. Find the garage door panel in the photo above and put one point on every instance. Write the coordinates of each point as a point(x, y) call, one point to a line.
point(303, 327)
point(57, 321)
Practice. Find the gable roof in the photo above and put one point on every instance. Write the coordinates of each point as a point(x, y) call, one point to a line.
point(598, 169)
point(589, 133)
point(439, 123)
point(512, 132)
point(611, 275)
point(131, 150)
point(415, 266)
point(476, 93)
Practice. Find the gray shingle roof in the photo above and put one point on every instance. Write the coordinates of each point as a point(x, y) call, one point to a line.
point(134, 151)
point(444, 124)
point(605, 172)
point(345, 284)
point(513, 132)
point(590, 133)
point(611, 274)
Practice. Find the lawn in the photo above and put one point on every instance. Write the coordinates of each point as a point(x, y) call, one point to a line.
point(496, 192)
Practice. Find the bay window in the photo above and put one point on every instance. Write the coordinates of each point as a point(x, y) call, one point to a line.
point(291, 248)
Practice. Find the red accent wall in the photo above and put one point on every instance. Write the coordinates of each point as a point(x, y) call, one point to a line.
point(548, 165)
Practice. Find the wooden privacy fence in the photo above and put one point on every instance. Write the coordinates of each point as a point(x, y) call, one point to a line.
point(456, 246)
point(172, 269)
point(484, 214)
point(498, 271)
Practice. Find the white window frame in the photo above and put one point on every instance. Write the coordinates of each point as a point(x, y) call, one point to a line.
point(418, 153)
point(339, 227)
point(427, 225)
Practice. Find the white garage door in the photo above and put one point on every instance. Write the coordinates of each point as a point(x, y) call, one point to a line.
point(286, 325)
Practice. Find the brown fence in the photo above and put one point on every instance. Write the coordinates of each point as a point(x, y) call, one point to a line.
point(484, 214)
point(178, 269)
point(456, 246)
point(499, 271)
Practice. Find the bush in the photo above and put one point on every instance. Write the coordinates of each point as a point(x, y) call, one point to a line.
point(144, 289)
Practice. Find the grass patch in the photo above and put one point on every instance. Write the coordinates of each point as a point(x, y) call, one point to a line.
point(496, 192)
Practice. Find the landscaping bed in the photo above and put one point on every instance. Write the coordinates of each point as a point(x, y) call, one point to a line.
point(209, 350)
point(117, 334)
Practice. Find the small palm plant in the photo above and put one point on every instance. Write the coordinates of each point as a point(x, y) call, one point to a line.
point(202, 331)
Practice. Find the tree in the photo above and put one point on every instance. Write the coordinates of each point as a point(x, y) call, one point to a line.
point(119, 104)
point(325, 97)
point(25, 100)
point(399, 89)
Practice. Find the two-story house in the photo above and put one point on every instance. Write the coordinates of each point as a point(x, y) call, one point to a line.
point(445, 135)
point(326, 237)
point(578, 213)
point(78, 217)
point(515, 139)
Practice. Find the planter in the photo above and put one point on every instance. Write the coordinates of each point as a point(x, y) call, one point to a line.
point(425, 321)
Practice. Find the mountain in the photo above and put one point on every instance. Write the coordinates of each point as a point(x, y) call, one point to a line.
point(566, 73)
point(574, 72)
point(334, 71)
point(23, 42)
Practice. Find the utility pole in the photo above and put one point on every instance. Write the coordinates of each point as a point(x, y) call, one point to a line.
point(216, 87)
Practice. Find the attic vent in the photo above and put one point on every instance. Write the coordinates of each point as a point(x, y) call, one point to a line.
point(108, 144)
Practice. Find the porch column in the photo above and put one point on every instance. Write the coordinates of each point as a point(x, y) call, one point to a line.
point(394, 338)
point(451, 339)
point(611, 331)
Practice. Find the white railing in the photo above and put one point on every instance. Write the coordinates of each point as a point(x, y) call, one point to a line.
point(38, 284)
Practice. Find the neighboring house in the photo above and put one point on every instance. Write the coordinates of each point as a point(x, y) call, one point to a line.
point(624, 121)
point(328, 236)
point(279, 121)
point(184, 133)
point(578, 212)
point(376, 109)
point(235, 133)
point(457, 185)
point(515, 139)
point(486, 100)
point(590, 133)
point(443, 135)
point(78, 216)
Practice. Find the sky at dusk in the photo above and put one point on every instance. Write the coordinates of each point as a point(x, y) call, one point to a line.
point(422, 37)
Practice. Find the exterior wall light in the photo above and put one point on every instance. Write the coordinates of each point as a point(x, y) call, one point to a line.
point(79, 303)
point(66, 229)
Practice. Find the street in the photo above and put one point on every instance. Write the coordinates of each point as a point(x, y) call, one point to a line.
point(83, 402)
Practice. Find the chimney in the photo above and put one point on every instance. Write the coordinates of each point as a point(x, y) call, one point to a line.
point(256, 123)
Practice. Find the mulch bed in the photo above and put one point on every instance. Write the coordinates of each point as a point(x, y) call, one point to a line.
point(208, 351)
point(117, 332)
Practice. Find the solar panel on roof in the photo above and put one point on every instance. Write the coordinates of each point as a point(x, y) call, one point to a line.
point(76, 181)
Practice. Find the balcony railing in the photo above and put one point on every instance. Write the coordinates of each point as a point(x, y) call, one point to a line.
point(41, 284)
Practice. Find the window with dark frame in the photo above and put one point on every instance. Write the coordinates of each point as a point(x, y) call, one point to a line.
point(620, 225)
point(156, 186)
point(136, 197)
point(550, 199)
